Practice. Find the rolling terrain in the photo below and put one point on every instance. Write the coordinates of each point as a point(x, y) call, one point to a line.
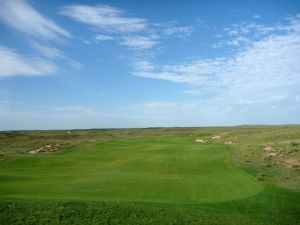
point(233, 175)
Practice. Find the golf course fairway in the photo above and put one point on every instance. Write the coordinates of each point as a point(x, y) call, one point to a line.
point(157, 169)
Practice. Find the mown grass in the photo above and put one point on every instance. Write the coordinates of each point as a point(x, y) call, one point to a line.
point(169, 169)
point(150, 176)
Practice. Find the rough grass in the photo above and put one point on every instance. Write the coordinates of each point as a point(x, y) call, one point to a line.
point(270, 207)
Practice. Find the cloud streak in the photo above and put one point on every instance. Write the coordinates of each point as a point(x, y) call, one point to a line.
point(102, 37)
point(13, 63)
point(53, 53)
point(139, 42)
point(22, 17)
point(104, 17)
point(39, 32)
point(268, 69)
point(114, 24)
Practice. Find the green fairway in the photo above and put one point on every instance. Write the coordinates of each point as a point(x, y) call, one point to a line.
point(159, 169)
point(151, 177)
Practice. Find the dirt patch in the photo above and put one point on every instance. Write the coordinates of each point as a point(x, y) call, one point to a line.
point(270, 151)
point(200, 140)
point(1, 157)
point(292, 163)
point(272, 154)
point(46, 148)
point(216, 137)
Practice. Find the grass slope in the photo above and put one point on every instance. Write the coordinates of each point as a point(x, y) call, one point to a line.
point(172, 169)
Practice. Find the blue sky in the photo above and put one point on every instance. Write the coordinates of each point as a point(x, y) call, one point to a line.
point(106, 64)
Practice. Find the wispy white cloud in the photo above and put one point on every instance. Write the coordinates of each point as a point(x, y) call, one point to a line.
point(85, 41)
point(48, 52)
point(195, 73)
point(238, 41)
point(172, 29)
point(243, 34)
point(268, 69)
point(294, 25)
point(13, 63)
point(114, 24)
point(143, 65)
point(104, 17)
point(139, 42)
point(21, 16)
point(54, 54)
point(250, 28)
point(179, 31)
point(40, 32)
point(102, 37)
point(256, 16)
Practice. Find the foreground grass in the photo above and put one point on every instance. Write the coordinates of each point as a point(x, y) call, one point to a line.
point(151, 176)
point(272, 206)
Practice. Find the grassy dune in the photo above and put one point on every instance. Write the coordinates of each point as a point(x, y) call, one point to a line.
point(156, 176)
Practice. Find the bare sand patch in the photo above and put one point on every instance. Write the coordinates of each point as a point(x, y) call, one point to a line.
point(46, 148)
point(272, 154)
point(292, 163)
point(200, 140)
point(216, 137)
point(270, 151)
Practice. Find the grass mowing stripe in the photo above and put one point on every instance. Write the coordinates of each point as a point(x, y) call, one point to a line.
point(169, 169)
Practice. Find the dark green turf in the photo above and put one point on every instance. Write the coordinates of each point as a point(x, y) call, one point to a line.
point(273, 206)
